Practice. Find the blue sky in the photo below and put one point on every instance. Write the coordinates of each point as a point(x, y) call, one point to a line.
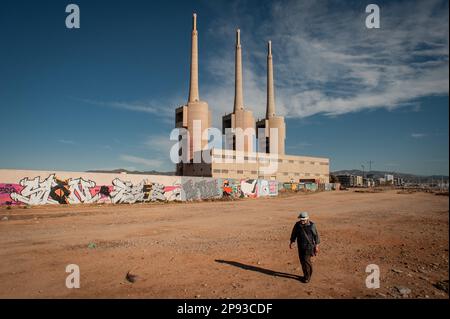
point(103, 96)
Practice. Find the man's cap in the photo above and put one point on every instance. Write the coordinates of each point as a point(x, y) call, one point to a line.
point(303, 216)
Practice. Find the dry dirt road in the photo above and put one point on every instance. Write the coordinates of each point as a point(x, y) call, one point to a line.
point(234, 249)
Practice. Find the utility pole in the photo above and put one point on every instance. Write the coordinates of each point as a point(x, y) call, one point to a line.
point(370, 165)
point(363, 173)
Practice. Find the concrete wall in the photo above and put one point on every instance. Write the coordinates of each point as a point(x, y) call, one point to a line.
point(309, 186)
point(27, 187)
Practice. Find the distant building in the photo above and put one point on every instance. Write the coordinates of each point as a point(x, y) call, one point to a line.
point(369, 182)
point(398, 181)
point(389, 178)
point(359, 181)
point(348, 180)
point(381, 181)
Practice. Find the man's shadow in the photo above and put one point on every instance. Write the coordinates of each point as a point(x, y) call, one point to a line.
point(259, 269)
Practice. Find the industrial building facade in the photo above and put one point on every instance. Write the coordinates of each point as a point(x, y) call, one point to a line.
point(226, 164)
point(242, 159)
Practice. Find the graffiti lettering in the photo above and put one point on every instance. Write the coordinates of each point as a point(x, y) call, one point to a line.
point(54, 190)
point(35, 192)
point(248, 187)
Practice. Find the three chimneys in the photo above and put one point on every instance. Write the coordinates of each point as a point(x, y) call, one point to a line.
point(240, 118)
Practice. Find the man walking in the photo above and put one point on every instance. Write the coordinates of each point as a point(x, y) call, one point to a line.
point(305, 232)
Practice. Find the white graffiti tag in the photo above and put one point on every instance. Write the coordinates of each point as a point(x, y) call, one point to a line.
point(248, 187)
point(35, 192)
point(126, 192)
point(157, 192)
point(82, 195)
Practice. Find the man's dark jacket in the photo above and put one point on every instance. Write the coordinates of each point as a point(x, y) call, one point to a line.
point(302, 233)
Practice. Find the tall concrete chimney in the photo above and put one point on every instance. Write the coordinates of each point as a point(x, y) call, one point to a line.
point(238, 95)
point(240, 118)
point(270, 111)
point(271, 121)
point(193, 87)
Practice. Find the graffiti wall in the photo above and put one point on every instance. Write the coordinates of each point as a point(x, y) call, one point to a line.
point(267, 188)
point(44, 188)
point(197, 188)
point(52, 190)
point(231, 188)
point(249, 188)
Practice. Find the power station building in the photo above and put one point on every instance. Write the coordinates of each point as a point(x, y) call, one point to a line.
point(253, 149)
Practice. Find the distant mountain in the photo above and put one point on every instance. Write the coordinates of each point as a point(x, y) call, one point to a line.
point(409, 178)
point(121, 170)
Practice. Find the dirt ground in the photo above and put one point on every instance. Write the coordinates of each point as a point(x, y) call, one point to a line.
point(228, 249)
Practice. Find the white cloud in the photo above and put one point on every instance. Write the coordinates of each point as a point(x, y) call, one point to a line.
point(159, 144)
point(325, 60)
point(328, 62)
point(418, 135)
point(161, 109)
point(158, 149)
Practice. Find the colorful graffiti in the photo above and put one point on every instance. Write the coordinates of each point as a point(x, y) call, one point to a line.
point(263, 188)
point(5, 193)
point(51, 189)
point(249, 188)
point(304, 187)
point(267, 188)
point(231, 188)
point(199, 188)
point(55, 191)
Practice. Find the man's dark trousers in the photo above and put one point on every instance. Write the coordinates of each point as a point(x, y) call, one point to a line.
point(305, 260)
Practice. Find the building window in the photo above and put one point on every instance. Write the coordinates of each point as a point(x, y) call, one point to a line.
point(291, 161)
point(285, 173)
point(240, 172)
point(297, 174)
point(216, 170)
point(254, 172)
point(225, 171)
point(306, 174)
point(323, 163)
point(301, 162)
point(245, 158)
point(313, 163)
